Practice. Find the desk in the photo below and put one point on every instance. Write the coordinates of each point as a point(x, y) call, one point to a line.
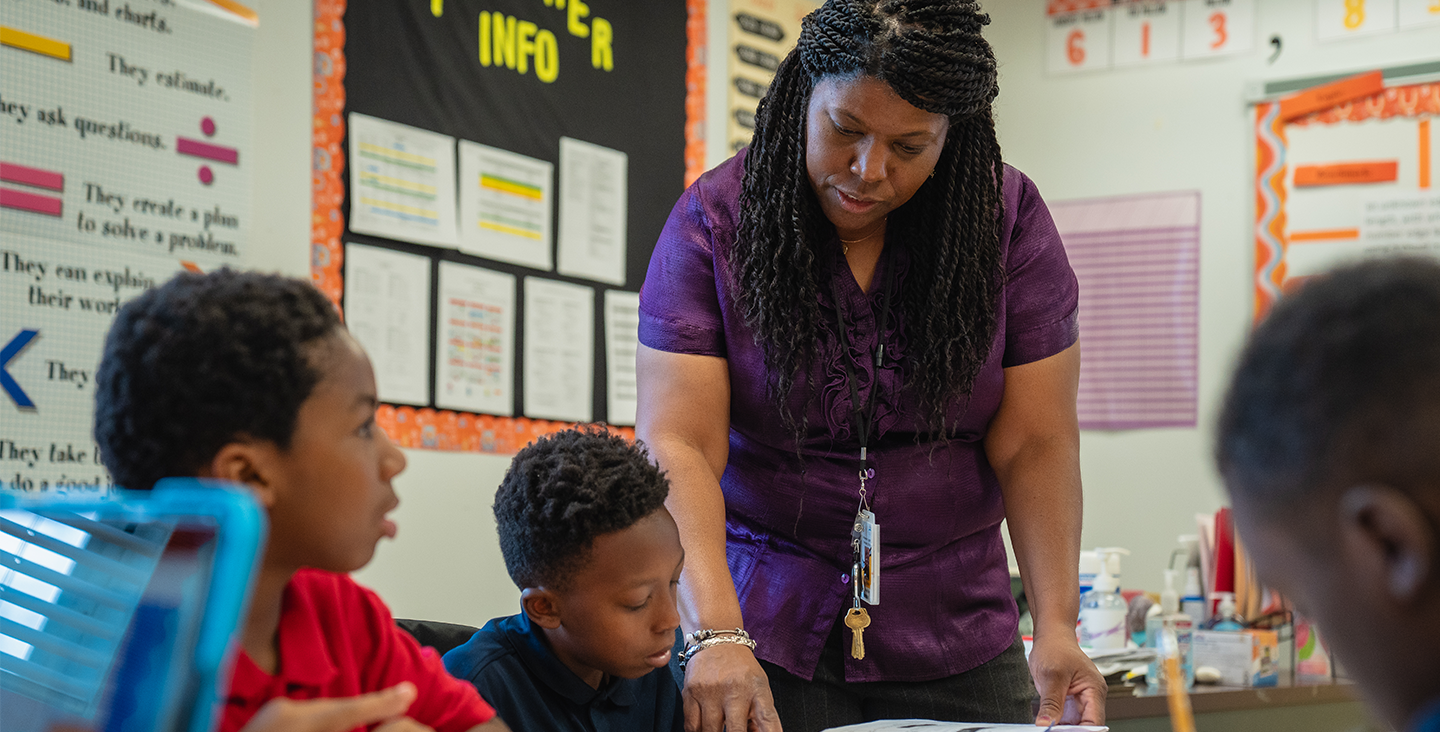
point(1302, 708)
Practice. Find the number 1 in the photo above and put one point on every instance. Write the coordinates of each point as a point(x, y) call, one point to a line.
point(1145, 38)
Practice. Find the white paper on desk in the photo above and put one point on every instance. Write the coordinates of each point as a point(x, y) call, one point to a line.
point(925, 725)
point(622, 333)
point(559, 350)
point(475, 343)
point(387, 309)
point(593, 197)
point(402, 182)
point(505, 205)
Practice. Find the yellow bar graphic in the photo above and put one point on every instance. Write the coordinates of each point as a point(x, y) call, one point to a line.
point(509, 186)
point(512, 230)
point(16, 38)
point(390, 152)
point(400, 207)
point(398, 183)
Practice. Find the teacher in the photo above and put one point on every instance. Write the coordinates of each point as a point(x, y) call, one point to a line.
point(868, 318)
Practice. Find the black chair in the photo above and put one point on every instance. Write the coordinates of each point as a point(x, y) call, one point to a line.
point(440, 636)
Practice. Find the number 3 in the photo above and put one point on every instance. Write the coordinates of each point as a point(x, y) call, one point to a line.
point(1354, 13)
point(1217, 21)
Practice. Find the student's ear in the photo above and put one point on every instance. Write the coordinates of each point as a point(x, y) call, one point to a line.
point(244, 462)
point(541, 606)
point(1395, 536)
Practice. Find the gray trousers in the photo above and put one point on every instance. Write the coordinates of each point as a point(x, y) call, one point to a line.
point(999, 690)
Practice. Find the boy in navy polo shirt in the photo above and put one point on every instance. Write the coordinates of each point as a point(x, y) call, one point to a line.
point(597, 557)
point(1329, 444)
point(253, 379)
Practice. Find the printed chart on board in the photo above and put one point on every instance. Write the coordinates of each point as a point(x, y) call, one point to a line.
point(124, 160)
point(402, 182)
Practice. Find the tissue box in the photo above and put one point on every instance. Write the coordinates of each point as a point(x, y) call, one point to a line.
point(1243, 657)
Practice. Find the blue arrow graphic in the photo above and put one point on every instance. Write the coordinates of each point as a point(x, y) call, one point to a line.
point(8, 354)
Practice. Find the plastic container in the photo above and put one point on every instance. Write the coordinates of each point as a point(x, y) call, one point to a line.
point(1226, 618)
point(1170, 623)
point(1102, 609)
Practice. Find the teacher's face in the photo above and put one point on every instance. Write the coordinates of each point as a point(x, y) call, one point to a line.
point(867, 150)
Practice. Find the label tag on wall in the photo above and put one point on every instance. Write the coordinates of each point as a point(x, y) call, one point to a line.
point(1146, 32)
point(1078, 41)
point(1218, 27)
point(1336, 19)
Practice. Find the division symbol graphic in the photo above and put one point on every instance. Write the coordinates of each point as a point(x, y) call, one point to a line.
point(208, 151)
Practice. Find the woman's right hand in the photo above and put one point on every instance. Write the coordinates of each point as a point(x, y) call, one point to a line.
point(725, 688)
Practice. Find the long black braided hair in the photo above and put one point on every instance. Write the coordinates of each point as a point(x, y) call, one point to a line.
point(932, 54)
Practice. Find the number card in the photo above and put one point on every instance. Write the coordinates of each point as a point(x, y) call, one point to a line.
point(1146, 32)
point(1218, 27)
point(1415, 13)
point(1349, 18)
point(1079, 41)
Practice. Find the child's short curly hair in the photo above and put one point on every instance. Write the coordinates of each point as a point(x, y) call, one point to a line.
point(199, 361)
point(564, 490)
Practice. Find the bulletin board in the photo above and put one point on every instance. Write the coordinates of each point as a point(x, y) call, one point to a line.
point(126, 158)
point(515, 100)
point(1344, 171)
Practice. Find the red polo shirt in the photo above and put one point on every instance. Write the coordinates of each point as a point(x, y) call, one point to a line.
point(337, 639)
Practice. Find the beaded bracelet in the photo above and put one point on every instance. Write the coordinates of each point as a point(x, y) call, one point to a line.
point(709, 638)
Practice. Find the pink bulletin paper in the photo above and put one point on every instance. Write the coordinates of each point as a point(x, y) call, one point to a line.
point(1138, 262)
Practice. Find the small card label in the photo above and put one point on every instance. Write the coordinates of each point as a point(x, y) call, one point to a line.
point(869, 558)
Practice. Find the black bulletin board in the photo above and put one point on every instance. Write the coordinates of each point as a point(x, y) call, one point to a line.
point(408, 63)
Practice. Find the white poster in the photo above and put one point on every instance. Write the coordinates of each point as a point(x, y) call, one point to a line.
point(593, 198)
point(387, 309)
point(559, 350)
point(1416, 13)
point(622, 334)
point(1147, 32)
point(505, 205)
point(402, 182)
point(475, 343)
point(125, 158)
point(1337, 19)
point(1078, 41)
point(1218, 27)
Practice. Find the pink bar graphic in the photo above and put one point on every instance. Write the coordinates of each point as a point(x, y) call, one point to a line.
point(187, 146)
point(24, 201)
point(28, 176)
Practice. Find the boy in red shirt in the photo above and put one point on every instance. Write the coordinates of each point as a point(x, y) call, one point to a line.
point(252, 378)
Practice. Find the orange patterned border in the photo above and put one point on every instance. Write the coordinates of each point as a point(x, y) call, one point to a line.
point(1271, 244)
point(407, 426)
point(695, 44)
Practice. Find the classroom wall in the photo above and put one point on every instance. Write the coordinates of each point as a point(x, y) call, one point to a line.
point(445, 563)
point(1171, 127)
point(1178, 126)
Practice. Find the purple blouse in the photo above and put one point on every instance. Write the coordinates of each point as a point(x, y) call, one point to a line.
point(945, 604)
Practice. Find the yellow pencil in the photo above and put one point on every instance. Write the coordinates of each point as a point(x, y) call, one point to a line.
point(1182, 719)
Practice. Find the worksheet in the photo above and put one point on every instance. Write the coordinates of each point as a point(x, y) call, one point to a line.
point(622, 327)
point(559, 350)
point(593, 197)
point(475, 343)
point(387, 309)
point(402, 182)
point(505, 204)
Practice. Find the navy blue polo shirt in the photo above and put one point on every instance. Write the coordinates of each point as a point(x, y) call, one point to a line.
point(510, 662)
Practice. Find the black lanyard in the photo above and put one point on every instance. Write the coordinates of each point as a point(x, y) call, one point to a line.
point(862, 418)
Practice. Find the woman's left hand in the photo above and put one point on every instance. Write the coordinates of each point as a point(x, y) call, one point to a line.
point(1071, 690)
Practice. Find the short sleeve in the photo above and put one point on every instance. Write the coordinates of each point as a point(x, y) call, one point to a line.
point(443, 703)
point(679, 303)
point(1042, 295)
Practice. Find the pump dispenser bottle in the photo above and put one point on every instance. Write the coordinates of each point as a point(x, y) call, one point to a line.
point(1102, 609)
point(1170, 623)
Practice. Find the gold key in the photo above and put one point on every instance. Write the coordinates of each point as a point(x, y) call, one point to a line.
point(857, 619)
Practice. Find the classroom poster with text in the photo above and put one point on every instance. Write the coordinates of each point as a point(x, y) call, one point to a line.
point(125, 159)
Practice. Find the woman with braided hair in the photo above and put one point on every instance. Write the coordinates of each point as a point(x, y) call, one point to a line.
point(867, 319)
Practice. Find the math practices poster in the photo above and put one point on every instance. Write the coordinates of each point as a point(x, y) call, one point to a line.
point(124, 160)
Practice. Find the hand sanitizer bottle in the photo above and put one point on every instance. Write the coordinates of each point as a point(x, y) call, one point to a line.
point(1179, 626)
point(1226, 618)
point(1102, 609)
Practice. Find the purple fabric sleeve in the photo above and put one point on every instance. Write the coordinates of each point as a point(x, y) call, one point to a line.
point(679, 307)
point(1042, 294)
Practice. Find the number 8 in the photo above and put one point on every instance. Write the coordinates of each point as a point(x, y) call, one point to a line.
point(1354, 13)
